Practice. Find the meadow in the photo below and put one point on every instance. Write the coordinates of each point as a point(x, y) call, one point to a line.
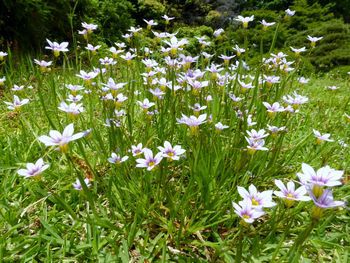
point(143, 152)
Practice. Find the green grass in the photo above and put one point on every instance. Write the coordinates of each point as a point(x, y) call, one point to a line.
point(181, 211)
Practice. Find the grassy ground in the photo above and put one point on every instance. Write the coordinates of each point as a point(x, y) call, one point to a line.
point(180, 211)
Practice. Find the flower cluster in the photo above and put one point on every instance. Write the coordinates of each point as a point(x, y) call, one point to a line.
point(253, 203)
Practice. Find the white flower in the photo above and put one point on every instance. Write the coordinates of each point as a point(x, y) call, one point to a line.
point(2, 55)
point(298, 50)
point(167, 18)
point(266, 24)
point(289, 12)
point(314, 39)
point(245, 20)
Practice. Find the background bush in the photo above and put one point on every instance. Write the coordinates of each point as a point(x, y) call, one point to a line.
point(25, 24)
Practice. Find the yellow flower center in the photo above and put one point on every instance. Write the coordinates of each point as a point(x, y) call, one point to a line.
point(63, 148)
point(246, 216)
point(290, 195)
point(255, 202)
point(317, 191)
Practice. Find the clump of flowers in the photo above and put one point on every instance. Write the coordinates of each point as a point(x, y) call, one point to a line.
point(253, 203)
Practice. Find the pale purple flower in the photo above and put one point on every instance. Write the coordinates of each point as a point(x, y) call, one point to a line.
point(134, 30)
point(303, 80)
point(137, 150)
point(296, 100)
point(246, 211)
point(157, 92)
point(77, 185)
point(272, 108)
point(111, 84)
point(120, 98)
point(117, 159)
point(145, 104)
point(43, 63)
point(149, 161)
point(225, 58)
point(74, 88)
point(325, 200)
point(192, 121)
point(107, 61)
point(267, 24)
point(17, 103)
point(87, 76)
point(218, 32)
point(170, 152)
point(197, 107)
point(324, 176)
point(33, 169)
point(275, 129)
point(255, 145)
point(17, 88)
point(290, 192)
point(56, 47)
point(128, 56)
point(271, 79)
point(332, 87)
point(74, 98)
point(257, 135)
point(259, 199)
point(219, 126)
point(322, 137)
point(92, 48)
point(61, 140)
point(89, 27)
point(72, 108)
